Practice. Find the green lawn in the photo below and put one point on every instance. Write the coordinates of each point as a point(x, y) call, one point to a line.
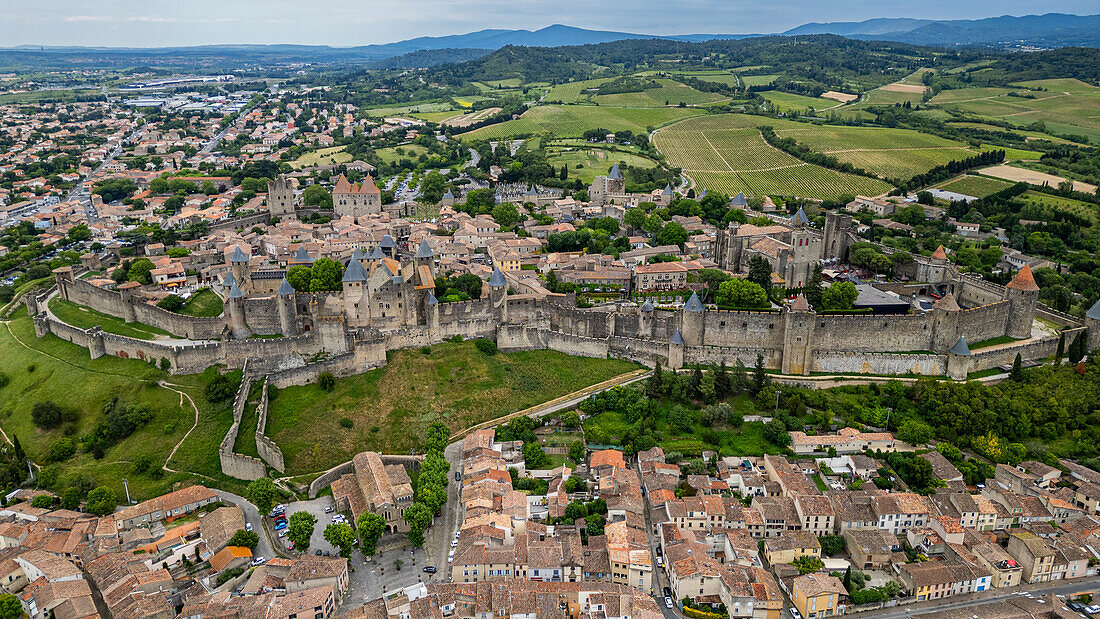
point(246, 434)
point(204, 302)
point(392, 406)
point(789, 102)
point(51, 369)
point(588, 163)
point(993, 341)
point(85, 318)
point(397, 153)
point(571, 121)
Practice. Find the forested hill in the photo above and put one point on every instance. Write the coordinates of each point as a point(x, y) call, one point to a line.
point(1082, 63)
point(813, 55)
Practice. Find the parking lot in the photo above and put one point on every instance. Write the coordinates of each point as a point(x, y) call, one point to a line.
point(317, 508)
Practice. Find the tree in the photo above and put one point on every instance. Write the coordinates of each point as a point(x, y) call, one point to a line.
point(634, 218)
point(326, 381)
point(469, 283)
point(839, 296)
point(654, 388)
point(171, 303)
point(70, 498)
point(671, 234)
point(807, 564)
point(43, 501)
point(760, 272)
point(571, 419)
point(46, 415)
point(299, 276)
point(339, 534)
point(915, 432)
point(1017, 373)
point(832, 544)
point(262, 493)
point(432, 188)
point(370, 528)
point(101, 501)
point(775, 432)
point(299, 529)
point(480, 200)
point(723, 387)
point(325, 275)
point(1077, 348)
point(246, 539)
point(576, 451)
point(812, 290)
point(759, 376)
point(741, 294)
point(80, 232)
point(419, 517)
point(10, 608)
point(141, 271)
point(316, 195)
point(506, 214)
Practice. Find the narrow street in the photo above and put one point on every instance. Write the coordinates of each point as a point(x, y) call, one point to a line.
point(1068, 589)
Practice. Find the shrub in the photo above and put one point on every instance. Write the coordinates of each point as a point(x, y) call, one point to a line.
point(101, 501)
point(43, 501)
point(326, 381)
point(165, 364)
point(46, 415)
point(346, 423)
point(4, 380)
point(142, 464)
point(425, 350)
point(31, 368)
point(171, 303)
point(488, 347)
point(63, 449)
point(247, 539)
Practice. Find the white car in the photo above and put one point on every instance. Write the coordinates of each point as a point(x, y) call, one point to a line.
point(668, 601)
point(258, 561)
point(454, 543)
point(248, 526)
point(794, 613)
point(282, 532)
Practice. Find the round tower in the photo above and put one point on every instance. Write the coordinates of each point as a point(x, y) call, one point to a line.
point(1092, 323)
point(236, 314)
point(645, 320)
point(498, 295)
point(1023, 295)
point(238, 266)
point(288, 312)
point(691, 321)
point(945, 323)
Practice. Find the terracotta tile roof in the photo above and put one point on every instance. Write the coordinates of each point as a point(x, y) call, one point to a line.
point(1024, 280)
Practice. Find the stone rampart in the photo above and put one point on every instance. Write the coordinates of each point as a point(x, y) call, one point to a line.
point(995, 356)
point(268, 450)
point(862, 362)
point(984, 322)
point(243, 222)
point(235, 464)
point(865, 332)
point(191, 327)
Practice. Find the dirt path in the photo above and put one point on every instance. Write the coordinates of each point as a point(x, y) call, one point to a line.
point(172, 453)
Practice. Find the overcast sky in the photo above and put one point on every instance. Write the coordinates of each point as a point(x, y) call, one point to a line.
point(158, 23)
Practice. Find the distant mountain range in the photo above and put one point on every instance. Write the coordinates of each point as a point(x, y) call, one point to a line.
point(1048, 31)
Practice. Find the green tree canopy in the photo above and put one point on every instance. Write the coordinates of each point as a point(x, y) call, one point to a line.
point(740, 294)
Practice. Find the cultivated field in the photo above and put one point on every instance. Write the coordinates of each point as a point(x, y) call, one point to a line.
point(573, 120)
point(390, 407)
point(788, 102)
point(1069, 107)
point(1058, 203)
point(721, 154)
point(465, 120)
point(670, 92)
point(572, 92)
point(1018, 175)
point(977, 186)
point(588, 163)
point(889, 153)
point(758, 80)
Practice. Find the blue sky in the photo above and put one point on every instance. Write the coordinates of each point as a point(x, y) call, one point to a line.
point(156, 23)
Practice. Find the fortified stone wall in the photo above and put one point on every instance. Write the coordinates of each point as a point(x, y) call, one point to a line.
point(707, 355)
point(730, 329)
point(243, 222)
point(268, 450)
point(984, 359)
point(861, 362)
point(862, 332)
point(192, 327)
point(101, 300)
point(262, 315)
point(972, 291)
point(235, 464)
point(985, 322)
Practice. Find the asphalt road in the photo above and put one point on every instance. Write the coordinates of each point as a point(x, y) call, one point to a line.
point(252, 515)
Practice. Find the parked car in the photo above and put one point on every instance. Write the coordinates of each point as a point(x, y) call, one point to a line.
point(328, 510)
point(318, 552)
point(282, 532)
point(248, 526)
point(429, 569)
point(794, 613)
point(668, 602)
point(458, 476)
point(279, 526)
point(258, 561)
point(454, 543)
point(668, 592)
point(660, 562)
point(290, 546)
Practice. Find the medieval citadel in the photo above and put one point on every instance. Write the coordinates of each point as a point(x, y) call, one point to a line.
point(388, 302)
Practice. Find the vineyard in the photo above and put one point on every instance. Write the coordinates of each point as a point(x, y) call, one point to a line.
point(573, 120)
point(890, 153)
point(572, 92)
point(977, 186)
point(722, 155)
point(670, 93)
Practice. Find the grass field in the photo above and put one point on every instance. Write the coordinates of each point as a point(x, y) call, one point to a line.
point(391, 406)
point(670, 92)
point(758, 80)
point(85, 318)
point(567, 121)
point(411, 108)
point(788, 102)
point(588, 163)
point(45, 96)
point(324, 156)
point(51, 369)
point(435, 117)
point(722, 155)
point(890, 153)
point(729, 79)
point(977, 186)
point(396, 153)
point(204, 302)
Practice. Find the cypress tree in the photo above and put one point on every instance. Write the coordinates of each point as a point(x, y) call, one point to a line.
point(1017, 373)
point(19, 454)
point(722, 387)
point(812, 290)
point(848, 578)
point(1058, 354)
point(759, 377)
point(1077, 348)
point(695, 383)
point(654, 388)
